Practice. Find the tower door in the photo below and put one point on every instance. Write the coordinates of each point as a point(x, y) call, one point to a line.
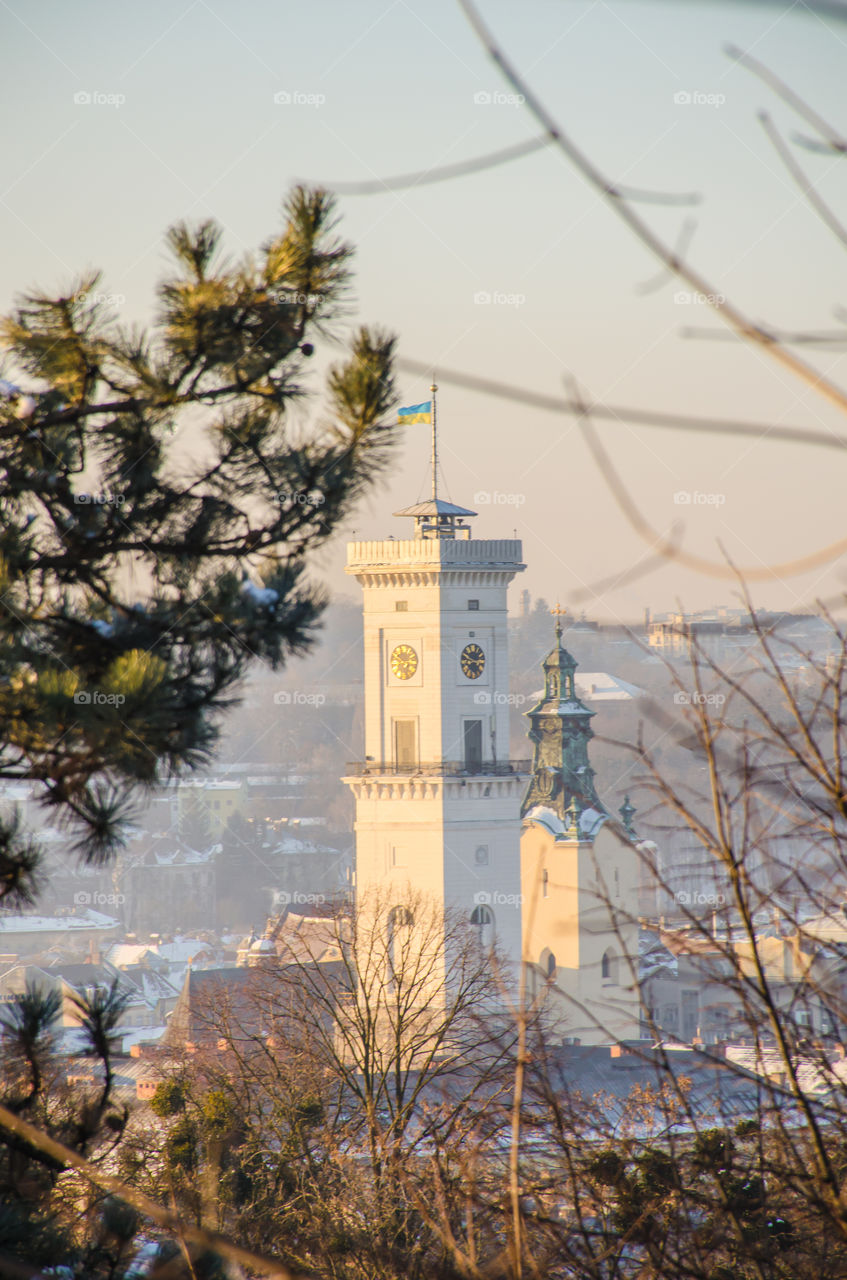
point(405, 743)
point(473, 744)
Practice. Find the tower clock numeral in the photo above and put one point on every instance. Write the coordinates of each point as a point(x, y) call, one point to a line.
point(404, 662)
point(472, 661)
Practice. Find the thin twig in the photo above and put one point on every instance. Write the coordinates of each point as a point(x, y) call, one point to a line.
point(619, 413)
point(817, 202)
point(835, 140)
point(728, 311)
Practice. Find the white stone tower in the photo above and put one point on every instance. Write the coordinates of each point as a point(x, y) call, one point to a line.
point(437, 797)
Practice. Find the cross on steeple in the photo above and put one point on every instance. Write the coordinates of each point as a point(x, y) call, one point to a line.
point(558, 613)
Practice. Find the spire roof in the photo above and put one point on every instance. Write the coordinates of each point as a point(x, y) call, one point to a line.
point(435, 507)
point(562, 777)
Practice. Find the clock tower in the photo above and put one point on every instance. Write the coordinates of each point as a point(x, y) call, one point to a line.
point(437, 798)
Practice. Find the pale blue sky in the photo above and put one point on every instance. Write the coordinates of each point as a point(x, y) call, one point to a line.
point(199, 134)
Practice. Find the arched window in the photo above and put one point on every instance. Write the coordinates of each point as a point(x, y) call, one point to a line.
point(609, 966)
point(482, 918)
point(400, 920)
point(547, 965)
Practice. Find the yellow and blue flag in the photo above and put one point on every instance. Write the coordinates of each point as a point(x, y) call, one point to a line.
point(416, 413)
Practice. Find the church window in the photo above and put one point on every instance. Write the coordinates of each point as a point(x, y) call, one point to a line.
point(400, 919)
point(482, 918)
point(551, 966)
point(609, 966)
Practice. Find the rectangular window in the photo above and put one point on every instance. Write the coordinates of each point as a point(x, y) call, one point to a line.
point(398, 856)
point(401, 606)
point(473, 604)
point(690, 1014)
point(473, 744)
point(405, 743)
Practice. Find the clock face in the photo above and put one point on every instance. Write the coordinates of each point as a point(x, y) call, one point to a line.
point(404, 662)
point(473, 661)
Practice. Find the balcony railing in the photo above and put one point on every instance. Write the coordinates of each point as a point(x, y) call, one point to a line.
point(438, 768)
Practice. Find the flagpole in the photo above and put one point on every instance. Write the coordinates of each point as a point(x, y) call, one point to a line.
point(433, 390)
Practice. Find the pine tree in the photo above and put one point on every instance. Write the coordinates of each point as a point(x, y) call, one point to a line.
point(138, 580)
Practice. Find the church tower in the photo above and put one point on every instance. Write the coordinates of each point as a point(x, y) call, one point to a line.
point(579, 873)
point(437, 797)
point(560, 730)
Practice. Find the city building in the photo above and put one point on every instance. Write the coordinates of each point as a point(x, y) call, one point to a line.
point(437, 798)
point(579, 875)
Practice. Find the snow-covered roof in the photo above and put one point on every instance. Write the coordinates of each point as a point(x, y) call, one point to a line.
point(291, 845)
point(139, 1035)
point(181, 950)
point(590, 821)
point(80, 921)
point(124, 953)
point(599, 686)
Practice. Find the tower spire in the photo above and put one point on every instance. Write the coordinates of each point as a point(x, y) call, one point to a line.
point(433, 390)
point(560, 728)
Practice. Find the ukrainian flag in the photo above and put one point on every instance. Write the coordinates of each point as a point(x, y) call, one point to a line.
point(416, 413)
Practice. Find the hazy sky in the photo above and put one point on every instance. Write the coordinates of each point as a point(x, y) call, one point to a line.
point(183, 122)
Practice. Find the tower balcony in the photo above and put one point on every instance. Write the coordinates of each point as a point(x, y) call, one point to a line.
point(437, 553)
point(439, 769)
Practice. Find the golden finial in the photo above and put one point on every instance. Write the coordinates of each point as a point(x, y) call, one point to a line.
point(558, 613)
